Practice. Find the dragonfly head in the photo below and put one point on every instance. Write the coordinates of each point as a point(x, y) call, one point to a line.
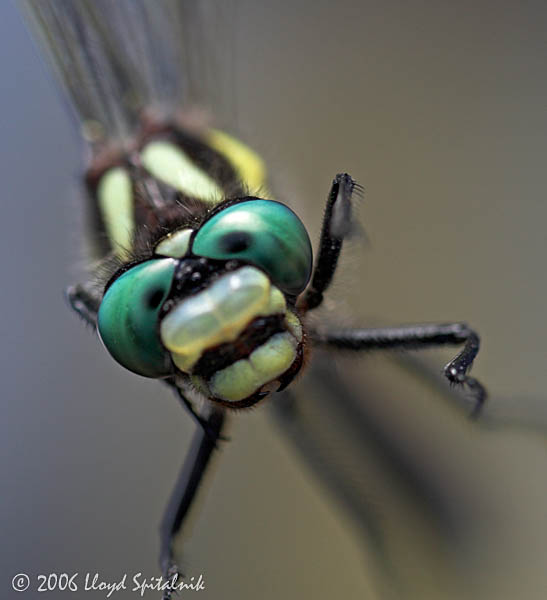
point(216, 304)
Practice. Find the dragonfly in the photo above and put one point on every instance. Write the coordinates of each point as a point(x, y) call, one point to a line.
point(199, 276)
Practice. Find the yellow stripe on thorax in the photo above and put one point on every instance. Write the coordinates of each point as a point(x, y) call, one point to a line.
point(171, 164)
point(115, 199)
point(246, 162)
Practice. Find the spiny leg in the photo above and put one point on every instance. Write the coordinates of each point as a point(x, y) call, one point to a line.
point(336, 226)
point(415, 337)
point(189, 480)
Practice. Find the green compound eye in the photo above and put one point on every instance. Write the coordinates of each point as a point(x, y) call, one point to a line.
point(128, 317)
point(264, 232)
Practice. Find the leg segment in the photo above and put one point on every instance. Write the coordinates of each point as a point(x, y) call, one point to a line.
point(190, 477)
point(415, 337)
point(336, 225)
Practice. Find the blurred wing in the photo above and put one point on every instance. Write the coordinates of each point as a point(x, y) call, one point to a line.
point(116, 61)
point(130, 69)
point(426, 488)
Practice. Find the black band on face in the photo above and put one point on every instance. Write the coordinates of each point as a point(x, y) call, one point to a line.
point(259, 331)
point(195, 274)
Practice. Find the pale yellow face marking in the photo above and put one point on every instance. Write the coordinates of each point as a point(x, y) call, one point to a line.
point(218, 314)
point(115, 199)
point(175, 245)
point(294, 325)
point(247, 163)
point(171, 164)
point(246, 376)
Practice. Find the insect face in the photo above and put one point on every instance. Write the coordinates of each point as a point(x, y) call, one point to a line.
point(215, 305)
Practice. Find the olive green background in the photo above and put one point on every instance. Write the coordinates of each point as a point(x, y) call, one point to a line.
point(439, 110)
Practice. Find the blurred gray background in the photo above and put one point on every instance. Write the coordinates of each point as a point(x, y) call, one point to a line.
point(440, 110)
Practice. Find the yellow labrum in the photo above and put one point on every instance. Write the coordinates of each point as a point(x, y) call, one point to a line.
point(247, 164)
point(246, 376)
point(175, 245)
point(115, 199)
point(294, 325)
point(218, 314)
point(170, 164)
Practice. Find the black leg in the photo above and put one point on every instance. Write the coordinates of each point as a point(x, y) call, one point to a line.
point(85, 302)
point(416, 337)
point(190, 477)
point(336, 225)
